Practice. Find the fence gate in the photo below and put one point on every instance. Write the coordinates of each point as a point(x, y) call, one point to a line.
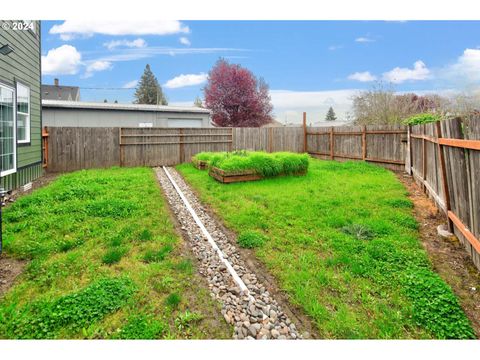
point(163, 146)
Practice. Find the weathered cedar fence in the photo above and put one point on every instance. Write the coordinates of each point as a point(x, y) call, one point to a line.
point(75, 148)
point(444, 158)
point(385, 145)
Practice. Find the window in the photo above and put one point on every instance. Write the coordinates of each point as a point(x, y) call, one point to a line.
point(23, 114)
point(8, 153)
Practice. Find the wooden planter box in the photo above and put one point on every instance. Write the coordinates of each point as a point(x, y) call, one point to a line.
point(238, 176)
point(200, 164)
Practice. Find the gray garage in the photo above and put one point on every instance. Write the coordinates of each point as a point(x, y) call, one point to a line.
point(89, 114)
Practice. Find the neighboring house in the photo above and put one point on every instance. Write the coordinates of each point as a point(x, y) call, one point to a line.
point(90, 114)
point(20, 105)
point(57, 92)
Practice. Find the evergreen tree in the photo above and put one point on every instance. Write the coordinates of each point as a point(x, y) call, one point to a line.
point(148, 90)
point(198, 102)
point(330, 115)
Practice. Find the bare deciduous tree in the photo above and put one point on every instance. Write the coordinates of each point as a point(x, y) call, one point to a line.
point(381, 105)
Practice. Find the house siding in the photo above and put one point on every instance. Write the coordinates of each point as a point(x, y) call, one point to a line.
point(23, 65)
point(62, 117)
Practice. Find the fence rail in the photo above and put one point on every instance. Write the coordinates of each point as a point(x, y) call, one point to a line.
point(445, 160)
point(74, 148)
point(384, 145)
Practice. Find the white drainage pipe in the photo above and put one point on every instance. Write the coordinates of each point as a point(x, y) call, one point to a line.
point(231, 270)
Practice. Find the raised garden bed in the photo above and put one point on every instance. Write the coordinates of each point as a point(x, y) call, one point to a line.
point(249, 166)
point(203, 159)
point(240, 176)
point(200, 164)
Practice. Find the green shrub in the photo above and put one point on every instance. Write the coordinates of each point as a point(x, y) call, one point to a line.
point(157, 255)
point(43, 319)
point(421, 119)
point(251, 239)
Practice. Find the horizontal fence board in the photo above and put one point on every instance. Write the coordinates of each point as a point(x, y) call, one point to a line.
point(82, 148)
point(458, 143)
point(385, 145)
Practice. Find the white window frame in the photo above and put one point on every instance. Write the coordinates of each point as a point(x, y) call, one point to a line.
point(27, 126)
point(14, 169)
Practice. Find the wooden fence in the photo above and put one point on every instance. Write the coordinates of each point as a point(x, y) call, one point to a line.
point(444, 157)
point(445, 160)
point(385, 145)
point(74, 148)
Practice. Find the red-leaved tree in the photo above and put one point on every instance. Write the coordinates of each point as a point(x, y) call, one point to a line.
point(236, 97)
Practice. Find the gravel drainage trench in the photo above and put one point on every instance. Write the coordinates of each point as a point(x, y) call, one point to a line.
point(254, 313)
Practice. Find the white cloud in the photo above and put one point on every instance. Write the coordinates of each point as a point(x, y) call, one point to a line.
point(364, 39)
point(186, 80)
point(137, 43)
point(130, 54)
point(335, 47)
point(118, 27)
point(96, 66)
point(67, 37)
point(130, 85)
point(362, 76)
point(399, 75)
point(466, 69)
point(64, 60)
point(289, 105)
point(185, 41)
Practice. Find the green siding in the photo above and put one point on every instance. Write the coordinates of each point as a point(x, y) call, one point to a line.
point(21, 177)
point(23, 65)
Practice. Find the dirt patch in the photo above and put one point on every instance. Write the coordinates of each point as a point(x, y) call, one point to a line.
point(448, 256)
point(9, 270)
point(295, 313)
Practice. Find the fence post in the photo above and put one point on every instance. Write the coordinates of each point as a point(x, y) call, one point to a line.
point(410, 149)
point(364, 142)
point(182, 146)
point(424, 157)
point(444, 174)
point(45, 147)
point(232, 139)
point(332, 145)
point(120, 146)
point(270, 139)
point(305, 145)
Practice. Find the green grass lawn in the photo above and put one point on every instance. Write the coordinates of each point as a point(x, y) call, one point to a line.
point(104, 262)
point(343, 243)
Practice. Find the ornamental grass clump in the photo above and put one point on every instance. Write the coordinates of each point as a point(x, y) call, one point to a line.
point(265, 164)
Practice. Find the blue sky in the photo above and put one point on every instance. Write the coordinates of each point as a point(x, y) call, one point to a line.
point(309, 65)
